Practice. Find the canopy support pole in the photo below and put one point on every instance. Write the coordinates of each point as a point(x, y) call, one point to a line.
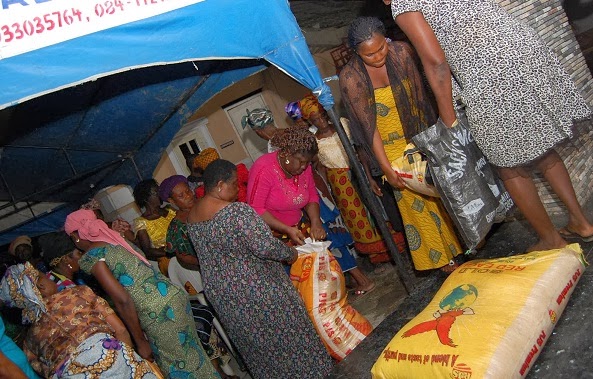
point(372, 202)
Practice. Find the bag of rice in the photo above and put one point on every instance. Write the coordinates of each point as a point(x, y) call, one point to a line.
point(319, 279)
point(490, 319)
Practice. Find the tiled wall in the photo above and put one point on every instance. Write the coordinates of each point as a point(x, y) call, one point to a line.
point(547, 17)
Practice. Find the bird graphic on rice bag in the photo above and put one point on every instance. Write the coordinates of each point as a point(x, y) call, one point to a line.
point(453, 305)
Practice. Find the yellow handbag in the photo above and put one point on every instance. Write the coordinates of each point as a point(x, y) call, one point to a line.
point(412, 168)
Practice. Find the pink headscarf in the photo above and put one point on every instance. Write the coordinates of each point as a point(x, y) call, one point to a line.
point(92, 229)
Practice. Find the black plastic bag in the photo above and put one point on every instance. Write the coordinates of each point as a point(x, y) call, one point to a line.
point(471, 192)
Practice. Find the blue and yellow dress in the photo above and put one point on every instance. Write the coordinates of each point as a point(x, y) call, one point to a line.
point(163, 311)
point(429, 231)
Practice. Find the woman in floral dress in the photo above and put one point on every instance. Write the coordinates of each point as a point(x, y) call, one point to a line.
point(244, 279)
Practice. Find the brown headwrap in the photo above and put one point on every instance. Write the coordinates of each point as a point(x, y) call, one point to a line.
point(416, 108)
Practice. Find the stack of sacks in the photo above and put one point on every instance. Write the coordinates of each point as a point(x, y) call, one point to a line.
point(490, 319)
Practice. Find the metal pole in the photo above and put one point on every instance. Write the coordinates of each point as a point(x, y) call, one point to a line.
point(372, 203)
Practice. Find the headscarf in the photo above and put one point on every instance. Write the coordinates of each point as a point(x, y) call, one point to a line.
point(168, 184)
point(257, 119)
point(206, 156)
point(92, 204)
point(415, 106)
point(21, 240)
point(293, 110)
point(90, 228)
point(309, 105)
point(19, 289)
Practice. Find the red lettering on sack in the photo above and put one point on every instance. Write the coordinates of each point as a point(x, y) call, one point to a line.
point(389, 354)
point(530, 357)
point(461, 371)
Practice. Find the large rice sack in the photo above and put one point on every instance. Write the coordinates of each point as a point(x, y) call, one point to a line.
point(490, 319)
point(319, 279)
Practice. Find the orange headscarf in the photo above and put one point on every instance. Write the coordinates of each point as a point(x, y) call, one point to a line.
point(206, 156)
point(309, 105)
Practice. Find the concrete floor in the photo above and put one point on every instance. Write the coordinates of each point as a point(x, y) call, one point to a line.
point(567, 354)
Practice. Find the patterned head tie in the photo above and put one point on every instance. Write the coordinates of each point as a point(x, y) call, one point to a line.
point(293, 110)
point(257, 119)
point(19, 289)
point(204, 158)
point(309, 105)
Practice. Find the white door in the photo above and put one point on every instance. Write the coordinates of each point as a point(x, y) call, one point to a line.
point(254, 145)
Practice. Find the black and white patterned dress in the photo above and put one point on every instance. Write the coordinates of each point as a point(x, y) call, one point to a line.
point(520, 101)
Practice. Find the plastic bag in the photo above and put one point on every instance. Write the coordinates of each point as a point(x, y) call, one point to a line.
point(412, 167)
point(471, 192)
point(320, 281)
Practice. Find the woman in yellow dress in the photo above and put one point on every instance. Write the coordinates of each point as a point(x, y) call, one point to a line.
point(387, 105)
point(151, 227)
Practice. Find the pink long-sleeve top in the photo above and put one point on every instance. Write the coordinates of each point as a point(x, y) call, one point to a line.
point(269, 190)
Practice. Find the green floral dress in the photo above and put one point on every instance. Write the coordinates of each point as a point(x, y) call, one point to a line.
point(163, 311)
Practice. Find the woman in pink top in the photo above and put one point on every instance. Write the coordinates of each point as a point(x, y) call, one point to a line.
point(281, 186)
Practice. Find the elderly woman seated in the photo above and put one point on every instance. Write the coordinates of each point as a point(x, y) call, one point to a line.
point(73, 332)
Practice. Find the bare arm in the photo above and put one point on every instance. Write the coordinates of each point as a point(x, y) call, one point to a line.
point(188, 262)
point(152, 254)
point(121, 333)
point(433, 59)
point(317, 231)
point(124, 306)
point(384, 163)
point(8, 370)
point(367, 170)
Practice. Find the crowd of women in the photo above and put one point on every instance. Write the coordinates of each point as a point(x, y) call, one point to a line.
point(301, 188)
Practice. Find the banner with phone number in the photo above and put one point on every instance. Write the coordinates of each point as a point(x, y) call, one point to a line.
point(26, 25)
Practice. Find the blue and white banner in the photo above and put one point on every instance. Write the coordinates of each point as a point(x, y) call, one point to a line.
point(46, 45)
point(27, 26)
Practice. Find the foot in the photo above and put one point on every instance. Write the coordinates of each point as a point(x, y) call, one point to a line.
point(359, 291)
point(584, 234)
point(543, 245)
point(449, 267)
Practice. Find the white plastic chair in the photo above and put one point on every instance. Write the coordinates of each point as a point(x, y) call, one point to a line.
point(179, 276)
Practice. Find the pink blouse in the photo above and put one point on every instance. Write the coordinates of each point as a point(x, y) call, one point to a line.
point(269, 190)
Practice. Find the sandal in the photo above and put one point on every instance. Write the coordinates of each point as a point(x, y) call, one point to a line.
point(566, 233)
point(359, 293)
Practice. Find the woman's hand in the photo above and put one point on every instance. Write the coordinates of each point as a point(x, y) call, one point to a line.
point(143, 349)
point(317, 232)
point(394, 179)
point(296, 235)
point(375, 187)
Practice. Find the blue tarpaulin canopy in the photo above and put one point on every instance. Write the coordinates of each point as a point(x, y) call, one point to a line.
point(90, 98)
